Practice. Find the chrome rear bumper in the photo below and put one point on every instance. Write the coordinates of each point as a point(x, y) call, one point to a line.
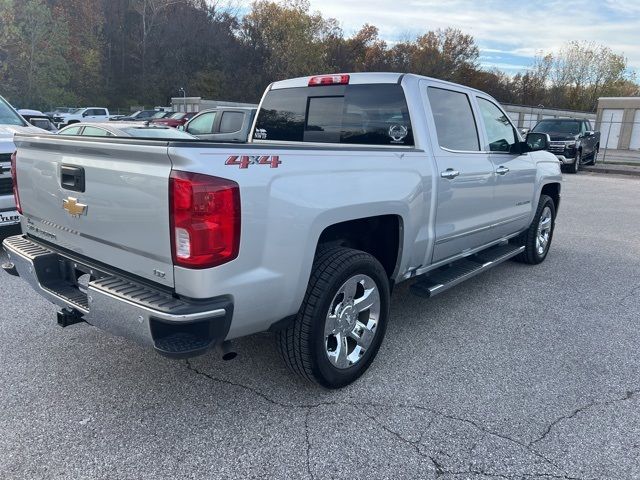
point(125, 307)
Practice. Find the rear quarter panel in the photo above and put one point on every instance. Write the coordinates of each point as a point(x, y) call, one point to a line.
point(285, 210)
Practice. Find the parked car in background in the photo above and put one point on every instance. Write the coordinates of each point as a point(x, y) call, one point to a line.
point(224, 124)
point(10, 123)
point(175, 120)
point(140, 115)
point(90, 114)
point(135, 130)
point(159, 115)
point(349, 184)
point(59, 110)
point(573, 141)
point(38, 119)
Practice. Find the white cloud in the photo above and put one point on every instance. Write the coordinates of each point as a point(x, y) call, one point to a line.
point(522, 29)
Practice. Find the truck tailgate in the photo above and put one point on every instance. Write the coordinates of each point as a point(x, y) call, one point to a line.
point(107, 200)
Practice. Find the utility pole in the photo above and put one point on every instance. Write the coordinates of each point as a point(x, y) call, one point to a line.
point(184, 98)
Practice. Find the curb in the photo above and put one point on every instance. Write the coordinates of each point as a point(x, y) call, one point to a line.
point(613, 169)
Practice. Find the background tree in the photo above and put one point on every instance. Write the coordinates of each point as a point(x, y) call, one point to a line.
point(38, 69)
point(125, 53)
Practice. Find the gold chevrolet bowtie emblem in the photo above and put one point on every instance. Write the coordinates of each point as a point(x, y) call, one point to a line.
point(74, 208)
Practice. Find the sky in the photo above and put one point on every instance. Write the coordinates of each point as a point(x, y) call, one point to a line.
point(508, 33)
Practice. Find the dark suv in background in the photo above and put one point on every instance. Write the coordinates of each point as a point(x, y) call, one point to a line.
point(573, 141)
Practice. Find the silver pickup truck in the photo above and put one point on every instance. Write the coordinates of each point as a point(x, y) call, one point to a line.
point(349, 185)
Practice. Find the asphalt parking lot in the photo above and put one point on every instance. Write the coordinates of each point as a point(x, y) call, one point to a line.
point(523, 372)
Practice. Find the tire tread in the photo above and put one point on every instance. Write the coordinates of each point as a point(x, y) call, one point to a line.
point(528, 237)
point(293, 342)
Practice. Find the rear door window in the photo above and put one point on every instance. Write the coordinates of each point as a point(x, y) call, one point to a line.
point(231, 122)
point(95, 132)
point(351, 114)
point(455, 124)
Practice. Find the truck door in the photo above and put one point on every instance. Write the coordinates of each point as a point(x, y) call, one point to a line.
point(586, 141)
point(515, 172)
point(91, 115)
point(465, 174)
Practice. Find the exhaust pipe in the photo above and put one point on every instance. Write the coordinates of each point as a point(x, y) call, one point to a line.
point(228, 352)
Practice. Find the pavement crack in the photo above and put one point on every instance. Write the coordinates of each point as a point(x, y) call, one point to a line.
point(255, 391)
point(415, 444)
point(628, 395)
point(308, 441)
point(502, 436)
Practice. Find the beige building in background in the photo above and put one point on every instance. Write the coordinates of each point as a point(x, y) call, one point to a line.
point(618, 119)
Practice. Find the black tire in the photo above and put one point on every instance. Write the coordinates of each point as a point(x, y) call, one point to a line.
point(573, 168)
point(302, 343)
point(594, 155)
point(530, 255)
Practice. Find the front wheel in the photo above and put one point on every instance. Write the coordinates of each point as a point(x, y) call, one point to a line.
point(341, 323)
point(576, 165)
point(594, 156)
point(537, 238)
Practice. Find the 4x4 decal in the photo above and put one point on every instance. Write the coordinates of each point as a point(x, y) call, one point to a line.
point(245, 160)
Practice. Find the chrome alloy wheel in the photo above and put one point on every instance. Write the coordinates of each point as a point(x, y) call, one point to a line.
point(544, 231)
point(352, 321)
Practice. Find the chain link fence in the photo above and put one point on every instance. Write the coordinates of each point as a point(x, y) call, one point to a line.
point(619, 140)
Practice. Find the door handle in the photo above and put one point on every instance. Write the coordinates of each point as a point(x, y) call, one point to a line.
point(502, 170)
point(450, 173)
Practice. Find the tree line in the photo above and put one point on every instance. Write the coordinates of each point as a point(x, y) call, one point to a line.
point(120, 53)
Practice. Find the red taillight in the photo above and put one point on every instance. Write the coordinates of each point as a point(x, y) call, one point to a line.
point(329, 80)
point(14, 176)
point(205, 219)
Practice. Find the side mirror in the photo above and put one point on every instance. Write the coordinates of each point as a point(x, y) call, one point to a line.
point(85, 114)
point(538, 141)
point(181, 128)
point(589, 133)
point(524, 131)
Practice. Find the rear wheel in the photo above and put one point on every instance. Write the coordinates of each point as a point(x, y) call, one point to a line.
point(537, 238)
point(341, 323)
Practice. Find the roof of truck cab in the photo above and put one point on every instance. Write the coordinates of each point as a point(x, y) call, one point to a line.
point(362, 78)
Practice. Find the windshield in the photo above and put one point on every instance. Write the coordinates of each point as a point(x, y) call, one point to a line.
point(8, 116)
point(159, 115)
point(141, 132)
point(177, 116)
point(556, 126)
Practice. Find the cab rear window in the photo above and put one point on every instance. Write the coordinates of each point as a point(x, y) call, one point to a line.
point(349, 114)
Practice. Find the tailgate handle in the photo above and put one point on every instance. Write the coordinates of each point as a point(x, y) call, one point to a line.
point(72, 178)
